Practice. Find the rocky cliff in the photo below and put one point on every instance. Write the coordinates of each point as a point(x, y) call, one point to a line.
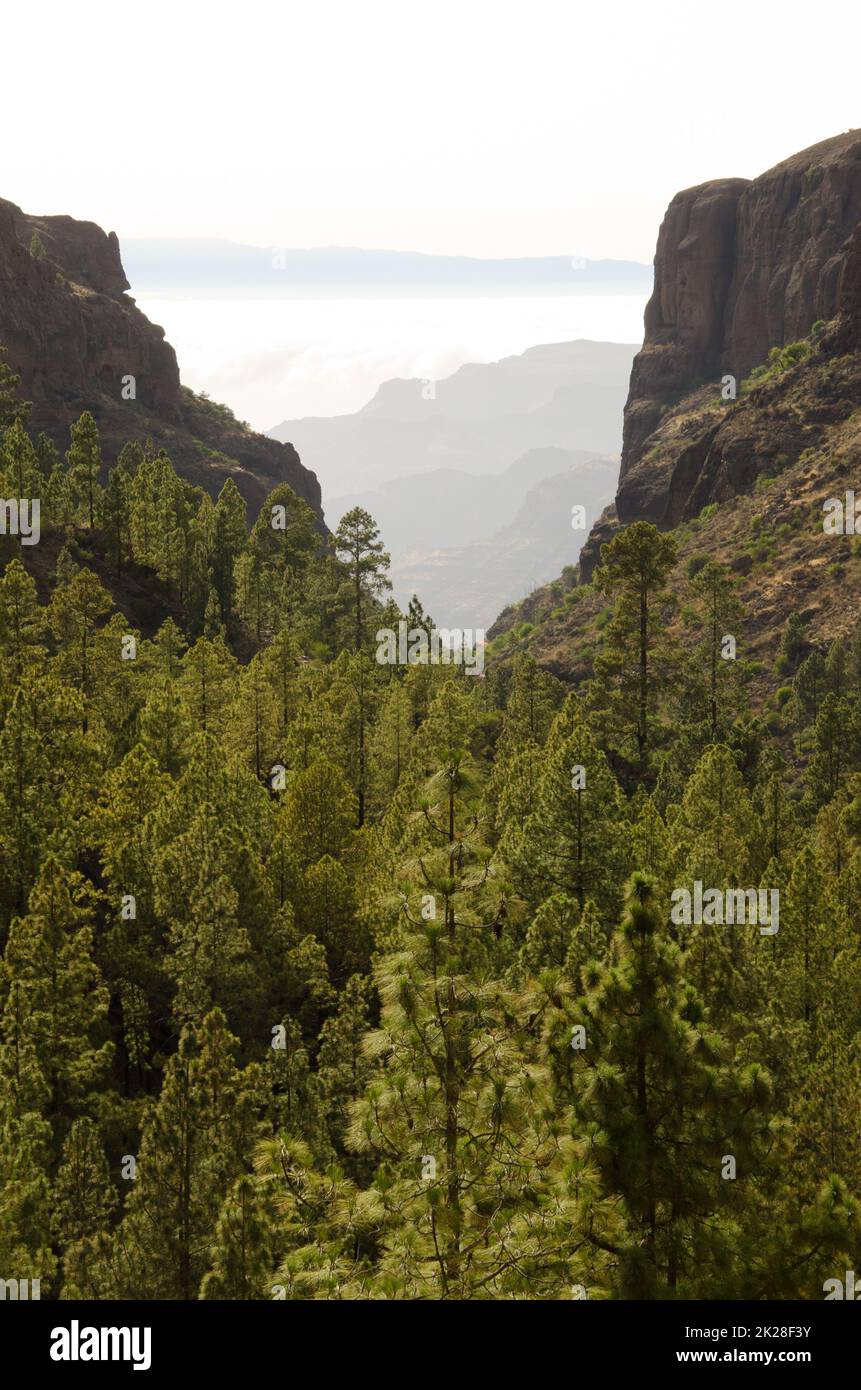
point(740, 267)
point(73, 334)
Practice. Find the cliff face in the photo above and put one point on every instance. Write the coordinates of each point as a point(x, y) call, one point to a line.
point(740, 267)
point(73, 334)
point(767, 469)
point(686, 317)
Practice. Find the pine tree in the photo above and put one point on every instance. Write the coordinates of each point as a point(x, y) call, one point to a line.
point(205, 686)
point(295, 1099)
point(808, 941)
point(22, 622)
point(211, 959)
point(196, 1141)
point(634, 568)
point(712, 693)
point(551, 932)
point(713, 827)
point(229, 540)
point(25, 1209)
point(389, 746)
point(661, 1106)
point(327, 910)
point(826, 1106)
point(775, 823)
point(19, 465)
point(12, 407)
point(164, 721)
point(77, 610)
point(793, 643)
point(143, 501)
point(47, 454)
point(343, 1066)
point(253, 726)
point(319, 812)
point(534, 699)
point(571, 843)
point(836, 748)
point(46, 776)
point(352, 697)
point(280, 663)
point(808, 690)
point(84, 1196)
point(652, 846)
point(84, 461)
point(242, 1258)
point(358, 546)
point(477, 1192)
point(272, 568)
point(48, 965)
point(121, 829)
point(116, 509)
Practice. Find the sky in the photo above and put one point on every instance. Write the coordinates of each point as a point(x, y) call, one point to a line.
point(460, 127)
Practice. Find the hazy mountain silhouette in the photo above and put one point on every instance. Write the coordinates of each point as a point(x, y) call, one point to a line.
point(197, 265)
point(466, 476)
point(451, 507)
point(460, 584)
point(478, 420)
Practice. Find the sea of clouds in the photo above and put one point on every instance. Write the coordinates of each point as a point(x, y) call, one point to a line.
point(282, 359)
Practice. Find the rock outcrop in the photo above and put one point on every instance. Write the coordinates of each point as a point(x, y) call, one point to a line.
point(73, 334)
point(766, 468)
point(847, 336)
point(741, 266)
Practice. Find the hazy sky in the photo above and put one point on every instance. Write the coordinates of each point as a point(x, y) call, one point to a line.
point(473, 126)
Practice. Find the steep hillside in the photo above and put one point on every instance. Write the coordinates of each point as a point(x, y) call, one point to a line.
point(743, 480)
point(73, 335)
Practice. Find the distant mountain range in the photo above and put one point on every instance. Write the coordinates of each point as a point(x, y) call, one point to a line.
point(462, 585)
point(449, 507)
point(478, 420)
point(226, 268)
point(472, 478)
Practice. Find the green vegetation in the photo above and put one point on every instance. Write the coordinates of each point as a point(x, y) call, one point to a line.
point(325, 978)
point(780, 359)
point(12, 407)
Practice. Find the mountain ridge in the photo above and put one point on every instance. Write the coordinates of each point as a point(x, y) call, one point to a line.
point(228, 267)
point(479, 418)
point(741, 266)
point(740, 479)
point(77, 339)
